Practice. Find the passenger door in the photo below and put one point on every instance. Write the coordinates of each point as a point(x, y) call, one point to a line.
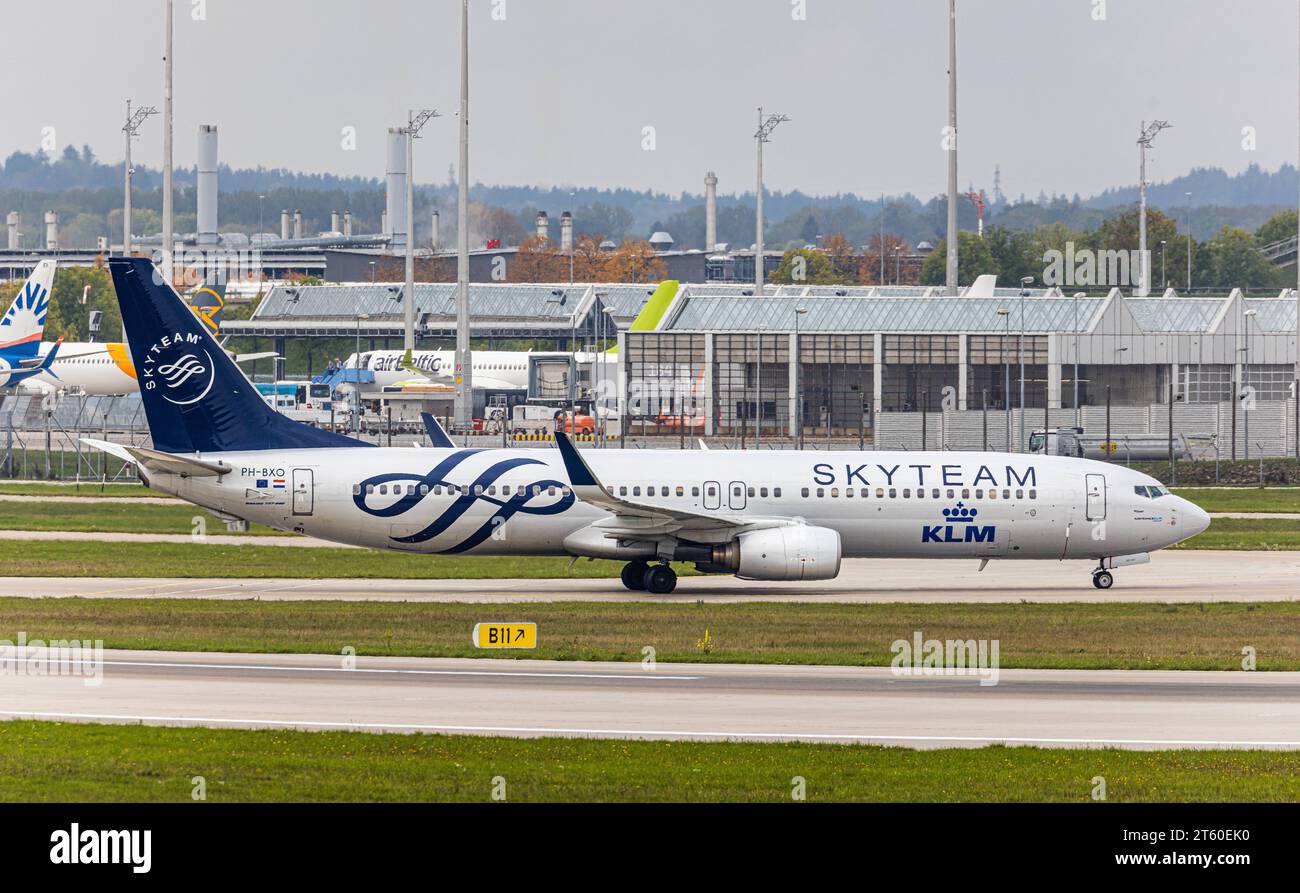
point(303, 491)
point(1095, 485)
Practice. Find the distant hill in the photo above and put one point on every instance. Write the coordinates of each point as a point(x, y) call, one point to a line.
point(87, 190)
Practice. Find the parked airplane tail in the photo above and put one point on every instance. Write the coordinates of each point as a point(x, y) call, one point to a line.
point(195, 398)
point(23, 325)
point(208, 303)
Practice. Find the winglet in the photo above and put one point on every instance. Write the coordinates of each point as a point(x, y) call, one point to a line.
point(579, 472)
point(436, 432)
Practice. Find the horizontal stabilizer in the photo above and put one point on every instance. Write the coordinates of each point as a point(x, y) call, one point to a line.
point(165, 463)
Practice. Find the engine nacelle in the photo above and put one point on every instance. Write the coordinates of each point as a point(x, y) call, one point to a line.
point(794, 552)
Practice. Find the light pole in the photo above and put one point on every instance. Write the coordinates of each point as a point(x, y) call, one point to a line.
point(1164, 279)
point(758, 388)
point(898, 265)
point(1244, 396)
point(133, 122)
point(1189, 242)
point(259, 214)
point(356, 374)
point(1078, 420)
point(763, 135)
point(167, 222)
point(414, 122)
point(1144, 143)
point(1024, 293)
point(464, 356)
point(607, 325)
point(951, 274)
point(798, 396)
point(1006, 371)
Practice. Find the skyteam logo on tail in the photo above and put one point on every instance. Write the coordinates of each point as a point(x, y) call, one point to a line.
point(414, 489)
point(180, 368)
point(961, 527)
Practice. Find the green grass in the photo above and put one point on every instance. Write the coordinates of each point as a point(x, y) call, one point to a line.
point(1247, 534)
point(87, 489)
point(61, 762)
point(99, 516)
point(1243, 499)
point(70, 558)
point(1079, 636)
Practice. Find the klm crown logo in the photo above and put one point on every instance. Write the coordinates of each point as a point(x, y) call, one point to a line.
point(961, 527)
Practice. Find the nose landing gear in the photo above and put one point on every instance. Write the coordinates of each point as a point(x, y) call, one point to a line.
point(1102, 579)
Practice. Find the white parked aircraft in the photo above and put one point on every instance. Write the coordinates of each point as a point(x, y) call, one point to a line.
point(492, 369)
point(759, 515)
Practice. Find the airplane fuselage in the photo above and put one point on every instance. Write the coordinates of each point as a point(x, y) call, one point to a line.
point(882, 504)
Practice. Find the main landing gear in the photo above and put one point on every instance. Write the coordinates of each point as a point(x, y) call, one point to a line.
point(1102, 579)
point(659, 579)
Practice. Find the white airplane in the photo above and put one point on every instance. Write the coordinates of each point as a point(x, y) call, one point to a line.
point(775, 515)
point(503, 370)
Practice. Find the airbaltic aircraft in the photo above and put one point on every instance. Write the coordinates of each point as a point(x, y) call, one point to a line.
point(759, 515)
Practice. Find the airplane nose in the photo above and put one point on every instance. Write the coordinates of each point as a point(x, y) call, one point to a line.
point(1195, 519)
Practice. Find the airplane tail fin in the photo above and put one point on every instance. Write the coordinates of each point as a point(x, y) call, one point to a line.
point(435, 431)
point(208, 303)
point(23, 325)
point(983, 286)
point(195, 398)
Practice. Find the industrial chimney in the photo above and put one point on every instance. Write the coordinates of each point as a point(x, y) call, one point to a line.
point(710, 212)
point(284, 225)
point(543, 226)
point(566, 232)
point(11, 220)
point(297, 224)
point(396, 188)
point(347, 223)
point(334, 222)
point(52, 230)
point(436, 232)
point(207, 185)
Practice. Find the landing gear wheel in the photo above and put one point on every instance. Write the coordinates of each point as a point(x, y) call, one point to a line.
point(1102, 579)
point(660, 579)
point(633, 575)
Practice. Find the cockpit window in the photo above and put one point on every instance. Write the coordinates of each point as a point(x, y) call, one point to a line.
point(1150, 492)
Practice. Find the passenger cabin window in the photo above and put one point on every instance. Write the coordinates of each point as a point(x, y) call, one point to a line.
point(776, 492)
point(805, 489)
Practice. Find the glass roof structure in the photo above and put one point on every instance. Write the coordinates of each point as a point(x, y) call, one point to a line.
point(879, 314)
point(533, 302)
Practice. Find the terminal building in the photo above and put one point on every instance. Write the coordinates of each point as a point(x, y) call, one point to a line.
point(893, 366)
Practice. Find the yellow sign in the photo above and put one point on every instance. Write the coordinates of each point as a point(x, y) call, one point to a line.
point(1109, 446)
point(505, 635)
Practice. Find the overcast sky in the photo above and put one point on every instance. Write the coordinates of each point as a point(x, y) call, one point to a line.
point(561, 90)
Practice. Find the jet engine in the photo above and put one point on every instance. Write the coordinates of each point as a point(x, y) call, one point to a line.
point(794, 552)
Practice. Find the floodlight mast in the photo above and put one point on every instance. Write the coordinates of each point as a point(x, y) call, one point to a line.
point(415, 121)
point(1144, 142)
point(464, 407)
point(134, 119)
point(763, 135)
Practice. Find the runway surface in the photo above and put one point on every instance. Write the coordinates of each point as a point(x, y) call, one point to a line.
point(1179, 576)
point(1096, 708)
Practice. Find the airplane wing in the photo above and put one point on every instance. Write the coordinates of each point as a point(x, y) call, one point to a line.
point(634, 519)
point(249, 357)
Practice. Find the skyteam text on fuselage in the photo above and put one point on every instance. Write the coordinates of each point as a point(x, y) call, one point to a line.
point(767, 515)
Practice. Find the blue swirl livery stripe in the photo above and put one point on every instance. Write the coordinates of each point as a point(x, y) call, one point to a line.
point(506, 509)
